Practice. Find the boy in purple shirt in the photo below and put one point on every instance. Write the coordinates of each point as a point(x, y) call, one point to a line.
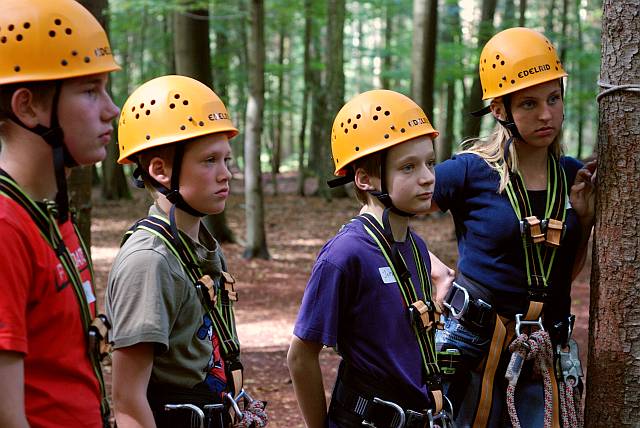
point(369, 294)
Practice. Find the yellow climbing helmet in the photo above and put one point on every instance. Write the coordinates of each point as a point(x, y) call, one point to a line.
point(374, 121)
point(515, 59)
point(169, 109)
point(43, 40)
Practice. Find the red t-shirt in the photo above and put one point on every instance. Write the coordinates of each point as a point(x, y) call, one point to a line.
point(40, 317)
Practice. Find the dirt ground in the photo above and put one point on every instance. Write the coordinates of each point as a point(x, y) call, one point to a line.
point(270, 291)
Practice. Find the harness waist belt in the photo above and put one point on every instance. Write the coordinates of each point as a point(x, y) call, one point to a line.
point(470, 304)
point(380, 413)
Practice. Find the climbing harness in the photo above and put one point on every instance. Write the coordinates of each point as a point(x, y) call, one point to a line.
point(96, 327)
point(423, 313)
point(217, 300)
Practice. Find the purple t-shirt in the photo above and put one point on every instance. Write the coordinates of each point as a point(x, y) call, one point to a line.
point(353, 301)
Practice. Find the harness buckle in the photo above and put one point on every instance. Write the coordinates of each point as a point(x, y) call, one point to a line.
point(533, 323)
point(424, 314)
point(532, 225)
point(465, 305)
point(400, 417)
point(99, 336)
point(207, 291)
point(447, 360)
point(443, 416)
point(199, 414)
point(554, 231)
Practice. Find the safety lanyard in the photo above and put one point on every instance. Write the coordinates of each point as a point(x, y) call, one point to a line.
point(537, 242)
point(222, 312)
point(426, 339)
point(48, 226)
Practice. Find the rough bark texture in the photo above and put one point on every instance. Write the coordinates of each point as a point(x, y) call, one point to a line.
point(613, 384)
point(256, 239)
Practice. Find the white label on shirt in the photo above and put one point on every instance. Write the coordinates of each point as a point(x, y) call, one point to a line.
point(568, 204)
point(387, 275)
point(88, 292)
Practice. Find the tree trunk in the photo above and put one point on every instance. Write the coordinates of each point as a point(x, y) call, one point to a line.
point(308, 27)
point(319, 114)
point(276, 152)
point(193, 59)
point(613, 382)
point(256, 238)
point(334, 58)
point(580, 109)
point(474, 100)
point(387, 61)
point(425, 30)
point(523, 11)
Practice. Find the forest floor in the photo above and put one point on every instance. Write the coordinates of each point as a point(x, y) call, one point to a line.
point(270, 291)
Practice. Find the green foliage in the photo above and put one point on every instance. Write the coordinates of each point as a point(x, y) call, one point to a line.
point(141, 35)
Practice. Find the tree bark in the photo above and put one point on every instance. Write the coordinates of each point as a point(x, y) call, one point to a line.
point(276, 152)
point(613, 383)
point(256, 239)
point(334, 58)
point(523, 11)
point(425, 30)
point(387, 61)
point(474, 100)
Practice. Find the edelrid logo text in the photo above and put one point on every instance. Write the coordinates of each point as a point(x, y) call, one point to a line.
point(218, 116)
point(418, 121)
point(102, 51)
point(534, 70)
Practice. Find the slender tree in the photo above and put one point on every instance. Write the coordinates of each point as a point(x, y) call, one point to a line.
point(387, 58)
point(613, 384)
point(308, 23)
point(523, 12)
point(425, 18)
point(256, 246)
point(474, 100)
point(334, 58)
point(276, 149)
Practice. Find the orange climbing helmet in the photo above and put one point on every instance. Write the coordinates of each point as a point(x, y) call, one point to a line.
point(44, 40)
point(374, 121)
point(167, 110)
point(517, 58)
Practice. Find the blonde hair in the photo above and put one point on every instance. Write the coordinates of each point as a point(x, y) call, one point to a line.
point(491, 150)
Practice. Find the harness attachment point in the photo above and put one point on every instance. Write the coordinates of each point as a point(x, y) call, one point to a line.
point(207, 290)
point(425, 315)
point(554, 231)
point(535, 229)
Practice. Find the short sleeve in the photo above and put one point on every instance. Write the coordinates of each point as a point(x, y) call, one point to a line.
point(319, 312)
point(16, 273)
point(450, 179)
point(144, 295)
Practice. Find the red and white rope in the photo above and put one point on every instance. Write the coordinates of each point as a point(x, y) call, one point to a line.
point(536, 347)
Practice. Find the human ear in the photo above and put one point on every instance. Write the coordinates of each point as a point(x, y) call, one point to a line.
point(27, 110)
point(363, 180)
point(497, 109)
point(160, 171)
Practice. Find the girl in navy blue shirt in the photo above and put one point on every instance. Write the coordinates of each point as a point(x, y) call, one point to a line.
point(523, 214)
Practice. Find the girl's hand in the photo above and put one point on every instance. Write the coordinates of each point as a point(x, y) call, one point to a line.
point(582, 194)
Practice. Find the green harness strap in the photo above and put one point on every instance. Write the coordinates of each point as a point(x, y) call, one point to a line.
point(539, 258)
point(221, 313)
point(425, 337)
point(48, 227)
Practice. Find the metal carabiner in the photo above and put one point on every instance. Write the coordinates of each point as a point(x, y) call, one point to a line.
point(234, 404)
point(458, 314)
point(521, 322)
point(195, 409)
point(394, 406)
point(443, 415)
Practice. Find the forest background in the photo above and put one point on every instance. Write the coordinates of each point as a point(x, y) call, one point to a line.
point(284, 68)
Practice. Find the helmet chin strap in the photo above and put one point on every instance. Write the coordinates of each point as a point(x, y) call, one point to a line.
point(173, 194)
point(54, 137)
point(383, 194)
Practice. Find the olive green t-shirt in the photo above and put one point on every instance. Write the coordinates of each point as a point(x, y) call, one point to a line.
point(150, 299)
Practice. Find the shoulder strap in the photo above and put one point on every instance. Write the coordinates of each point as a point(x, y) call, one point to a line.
point(221, 311)
point(425, 336)
point(48, 227)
